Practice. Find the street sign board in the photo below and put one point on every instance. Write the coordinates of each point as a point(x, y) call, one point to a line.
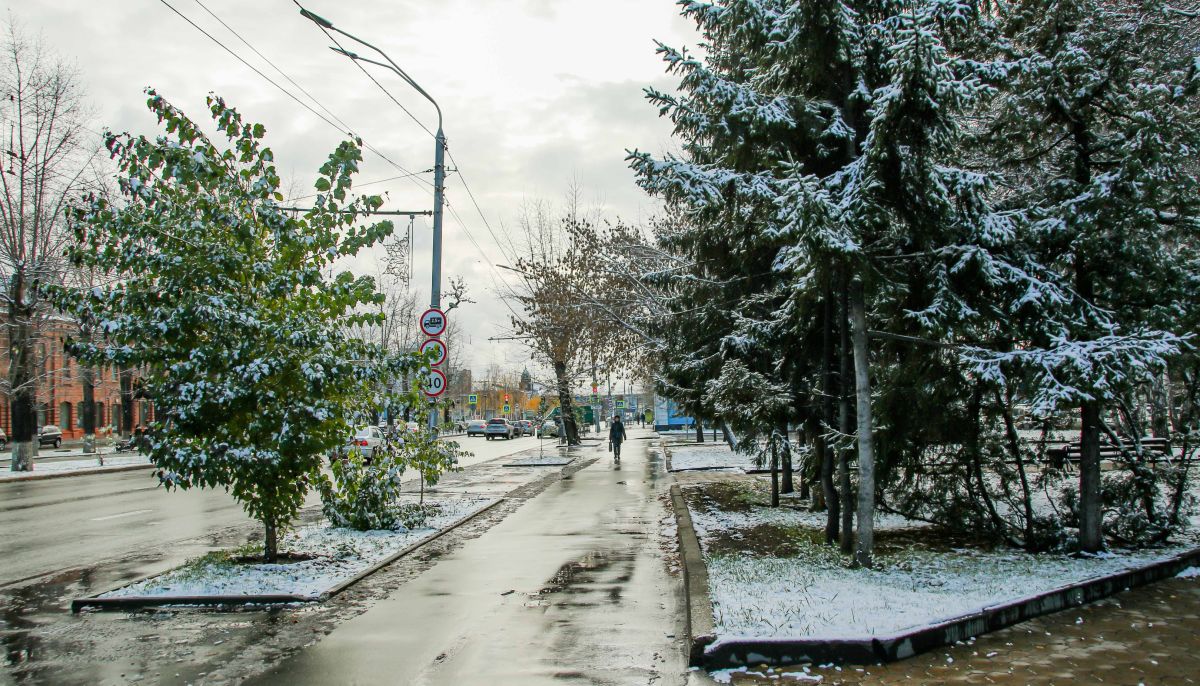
point(433, 322)
point(507, 409)
point(435, 383)
point(472, 399)
point(620, 403)
point(439, 348)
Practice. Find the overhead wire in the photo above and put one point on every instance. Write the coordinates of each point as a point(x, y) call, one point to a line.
point(271, 81)
point(496, 277)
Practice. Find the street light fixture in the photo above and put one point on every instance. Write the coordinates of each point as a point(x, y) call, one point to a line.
point(439, 151)
point(439, 154)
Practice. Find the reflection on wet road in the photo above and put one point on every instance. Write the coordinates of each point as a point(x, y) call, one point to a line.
point(569, 587)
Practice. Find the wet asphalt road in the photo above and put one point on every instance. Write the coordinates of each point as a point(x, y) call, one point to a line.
point(570, 588)
point(55, 525)
point(60, 524)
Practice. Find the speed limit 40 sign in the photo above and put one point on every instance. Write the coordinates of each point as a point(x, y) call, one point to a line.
point(435, 383)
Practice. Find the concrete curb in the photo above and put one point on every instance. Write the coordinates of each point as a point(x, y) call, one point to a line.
point(698, 619)
point(135, 602)
point(39, 476)
point(706, 652)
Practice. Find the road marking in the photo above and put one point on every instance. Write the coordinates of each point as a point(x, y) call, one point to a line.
point(118, 516)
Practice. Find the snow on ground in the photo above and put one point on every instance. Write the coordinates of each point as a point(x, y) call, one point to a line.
point(708, 456)
point(1189, 573)
point(814, 594)
point(342, 554)
point(725, 676)
point(77, 465)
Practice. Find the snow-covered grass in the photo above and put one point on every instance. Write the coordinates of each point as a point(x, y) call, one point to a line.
point(339, 555)
point(59, 466)
point(771, 575)
point(708, 456)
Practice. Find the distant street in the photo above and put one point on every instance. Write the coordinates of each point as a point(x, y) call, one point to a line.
point(70, 522)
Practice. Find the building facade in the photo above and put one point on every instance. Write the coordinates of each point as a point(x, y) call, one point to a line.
point(60, 387)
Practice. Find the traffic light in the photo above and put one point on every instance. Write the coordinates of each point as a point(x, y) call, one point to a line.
point(505, 398)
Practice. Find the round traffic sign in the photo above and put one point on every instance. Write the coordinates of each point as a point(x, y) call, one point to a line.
point(439, 348)
point(435, 383)
point(433, 322)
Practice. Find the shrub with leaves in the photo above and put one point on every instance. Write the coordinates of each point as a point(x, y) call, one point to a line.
point(361, 492)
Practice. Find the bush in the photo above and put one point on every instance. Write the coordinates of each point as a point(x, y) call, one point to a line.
point(362, 493)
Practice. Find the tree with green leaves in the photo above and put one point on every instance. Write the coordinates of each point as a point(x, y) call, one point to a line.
point(224, 300)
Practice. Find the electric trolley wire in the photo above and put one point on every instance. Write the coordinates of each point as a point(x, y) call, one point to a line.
point(285, 91)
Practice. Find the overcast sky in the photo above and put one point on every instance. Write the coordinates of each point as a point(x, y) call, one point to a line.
point(535, 94)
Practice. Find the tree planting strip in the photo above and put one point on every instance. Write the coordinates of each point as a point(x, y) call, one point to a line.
point(134, 602)
point(707, 652)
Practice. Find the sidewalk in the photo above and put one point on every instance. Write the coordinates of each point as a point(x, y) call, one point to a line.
point(571, 585)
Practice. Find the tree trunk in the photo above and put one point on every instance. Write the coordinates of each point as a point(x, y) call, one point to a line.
point(774, 473)
point(126, 377)
point(728, 435)
point(785, 463)
point(824, 452)
point(87, 414)
point(845, 492)
point(1091, 530)
point(22, 378)
point(1160, 414)
point(270, 542)
point(699, 431)
point(865, 547)
point(565, 403)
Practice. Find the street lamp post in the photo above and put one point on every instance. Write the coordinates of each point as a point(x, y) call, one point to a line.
point(439, 157)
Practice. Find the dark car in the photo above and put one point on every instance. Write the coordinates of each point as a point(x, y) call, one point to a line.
point(499, 427)
point(50, 435)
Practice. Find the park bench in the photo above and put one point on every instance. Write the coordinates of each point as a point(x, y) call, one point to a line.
point(1153, 450)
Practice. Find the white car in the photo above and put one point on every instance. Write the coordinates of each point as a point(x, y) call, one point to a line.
point(499, 427)
point(368, 440)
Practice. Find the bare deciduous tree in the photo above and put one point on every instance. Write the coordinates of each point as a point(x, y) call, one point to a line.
point(46, 152)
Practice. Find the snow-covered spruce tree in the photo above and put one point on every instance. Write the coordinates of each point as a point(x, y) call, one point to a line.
point(1094, 127)
point(818, 133)
point(223, 301)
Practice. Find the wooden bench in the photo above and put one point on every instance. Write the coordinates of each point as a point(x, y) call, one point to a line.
point(1153, 449)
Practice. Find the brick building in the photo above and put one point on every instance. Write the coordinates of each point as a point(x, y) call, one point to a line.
point(60, 387)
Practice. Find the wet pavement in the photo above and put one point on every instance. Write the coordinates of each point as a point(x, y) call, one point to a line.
point(41, 642)
point(569, 588)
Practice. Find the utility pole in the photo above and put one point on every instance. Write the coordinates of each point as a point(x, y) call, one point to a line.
point(439, 164)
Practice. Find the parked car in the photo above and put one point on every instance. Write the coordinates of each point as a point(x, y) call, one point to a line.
point(50, 435)
point(476, 427)
point(525, 426)
point(368, 440)
point(498, 427)
point(549, 428)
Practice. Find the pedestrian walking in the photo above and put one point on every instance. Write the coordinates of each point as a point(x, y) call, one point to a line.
point(616, 434)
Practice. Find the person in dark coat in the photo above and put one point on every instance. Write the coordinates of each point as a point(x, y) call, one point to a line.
point(616, 434)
